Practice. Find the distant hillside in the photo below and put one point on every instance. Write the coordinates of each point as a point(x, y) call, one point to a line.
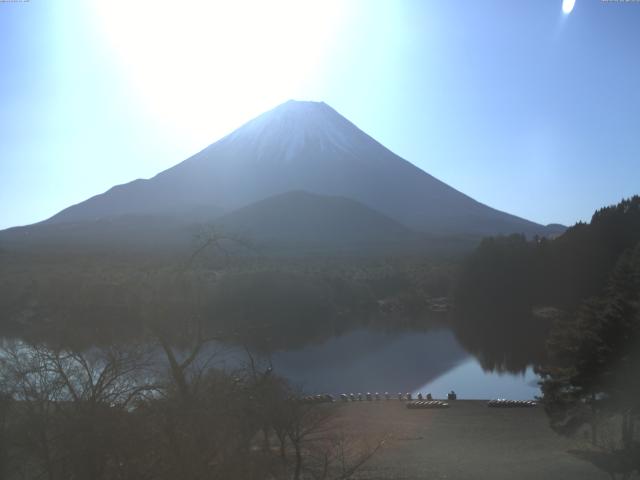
point(293, 223)
point(118, 234)
point(301, 220)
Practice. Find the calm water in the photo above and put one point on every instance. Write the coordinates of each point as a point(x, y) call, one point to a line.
point(366, 360)
point(374, 361)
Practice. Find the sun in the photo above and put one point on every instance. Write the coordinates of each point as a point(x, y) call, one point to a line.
point(567, 6)
point(195, 62)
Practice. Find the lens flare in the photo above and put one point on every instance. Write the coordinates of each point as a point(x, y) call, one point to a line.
point(567, 6)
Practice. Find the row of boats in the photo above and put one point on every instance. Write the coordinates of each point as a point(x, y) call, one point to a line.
point(498, 403)
point(420, 402)
point(359, 397)
point(504, 403)
point(427, 404)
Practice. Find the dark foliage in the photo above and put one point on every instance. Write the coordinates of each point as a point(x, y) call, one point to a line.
point(592, 378)
point(507, 280)
point(265, 303)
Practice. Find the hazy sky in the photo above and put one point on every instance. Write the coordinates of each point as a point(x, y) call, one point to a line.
point(515, 103)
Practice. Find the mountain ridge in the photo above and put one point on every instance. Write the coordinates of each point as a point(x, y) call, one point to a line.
point(300, 146)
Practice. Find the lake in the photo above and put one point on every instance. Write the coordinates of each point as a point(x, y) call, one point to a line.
point(367, 360)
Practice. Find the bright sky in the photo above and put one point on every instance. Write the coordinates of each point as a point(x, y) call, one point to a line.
point(530, 107)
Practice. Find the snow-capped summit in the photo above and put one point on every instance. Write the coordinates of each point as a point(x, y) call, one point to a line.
point(294, 124)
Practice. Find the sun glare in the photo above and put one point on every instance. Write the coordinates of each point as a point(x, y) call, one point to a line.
point(567, 6)
point(193, 63)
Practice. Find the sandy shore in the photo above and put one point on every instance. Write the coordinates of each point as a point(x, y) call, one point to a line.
point(466, 441)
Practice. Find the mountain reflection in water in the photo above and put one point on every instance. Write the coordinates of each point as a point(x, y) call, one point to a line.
point(377, 361)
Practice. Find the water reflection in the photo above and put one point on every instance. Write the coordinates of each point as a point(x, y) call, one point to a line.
point(375, 360)
point(366, 360)
point(470, 381)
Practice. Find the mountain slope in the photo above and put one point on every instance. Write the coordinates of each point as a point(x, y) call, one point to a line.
point(296, 222)
point(151, 233)
point(302, 146)
point(309, 221)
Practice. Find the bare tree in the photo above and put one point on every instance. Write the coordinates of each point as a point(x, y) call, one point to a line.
point(70, 406)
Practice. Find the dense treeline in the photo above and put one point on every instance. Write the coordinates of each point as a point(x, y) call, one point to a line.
point(506, 286)
point(267, 303)
point(513, 272)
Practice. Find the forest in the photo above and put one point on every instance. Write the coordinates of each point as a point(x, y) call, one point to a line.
point(510, 290)
point(576, 301)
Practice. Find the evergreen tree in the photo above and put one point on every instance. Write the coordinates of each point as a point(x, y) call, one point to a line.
point(595, 357)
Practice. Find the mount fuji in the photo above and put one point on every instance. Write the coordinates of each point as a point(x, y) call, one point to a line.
point(302, 147)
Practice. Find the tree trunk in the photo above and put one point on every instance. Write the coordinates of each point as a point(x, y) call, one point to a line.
point(594, 431)
point(296, 475)
point(627, 430)
point(267, 444)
